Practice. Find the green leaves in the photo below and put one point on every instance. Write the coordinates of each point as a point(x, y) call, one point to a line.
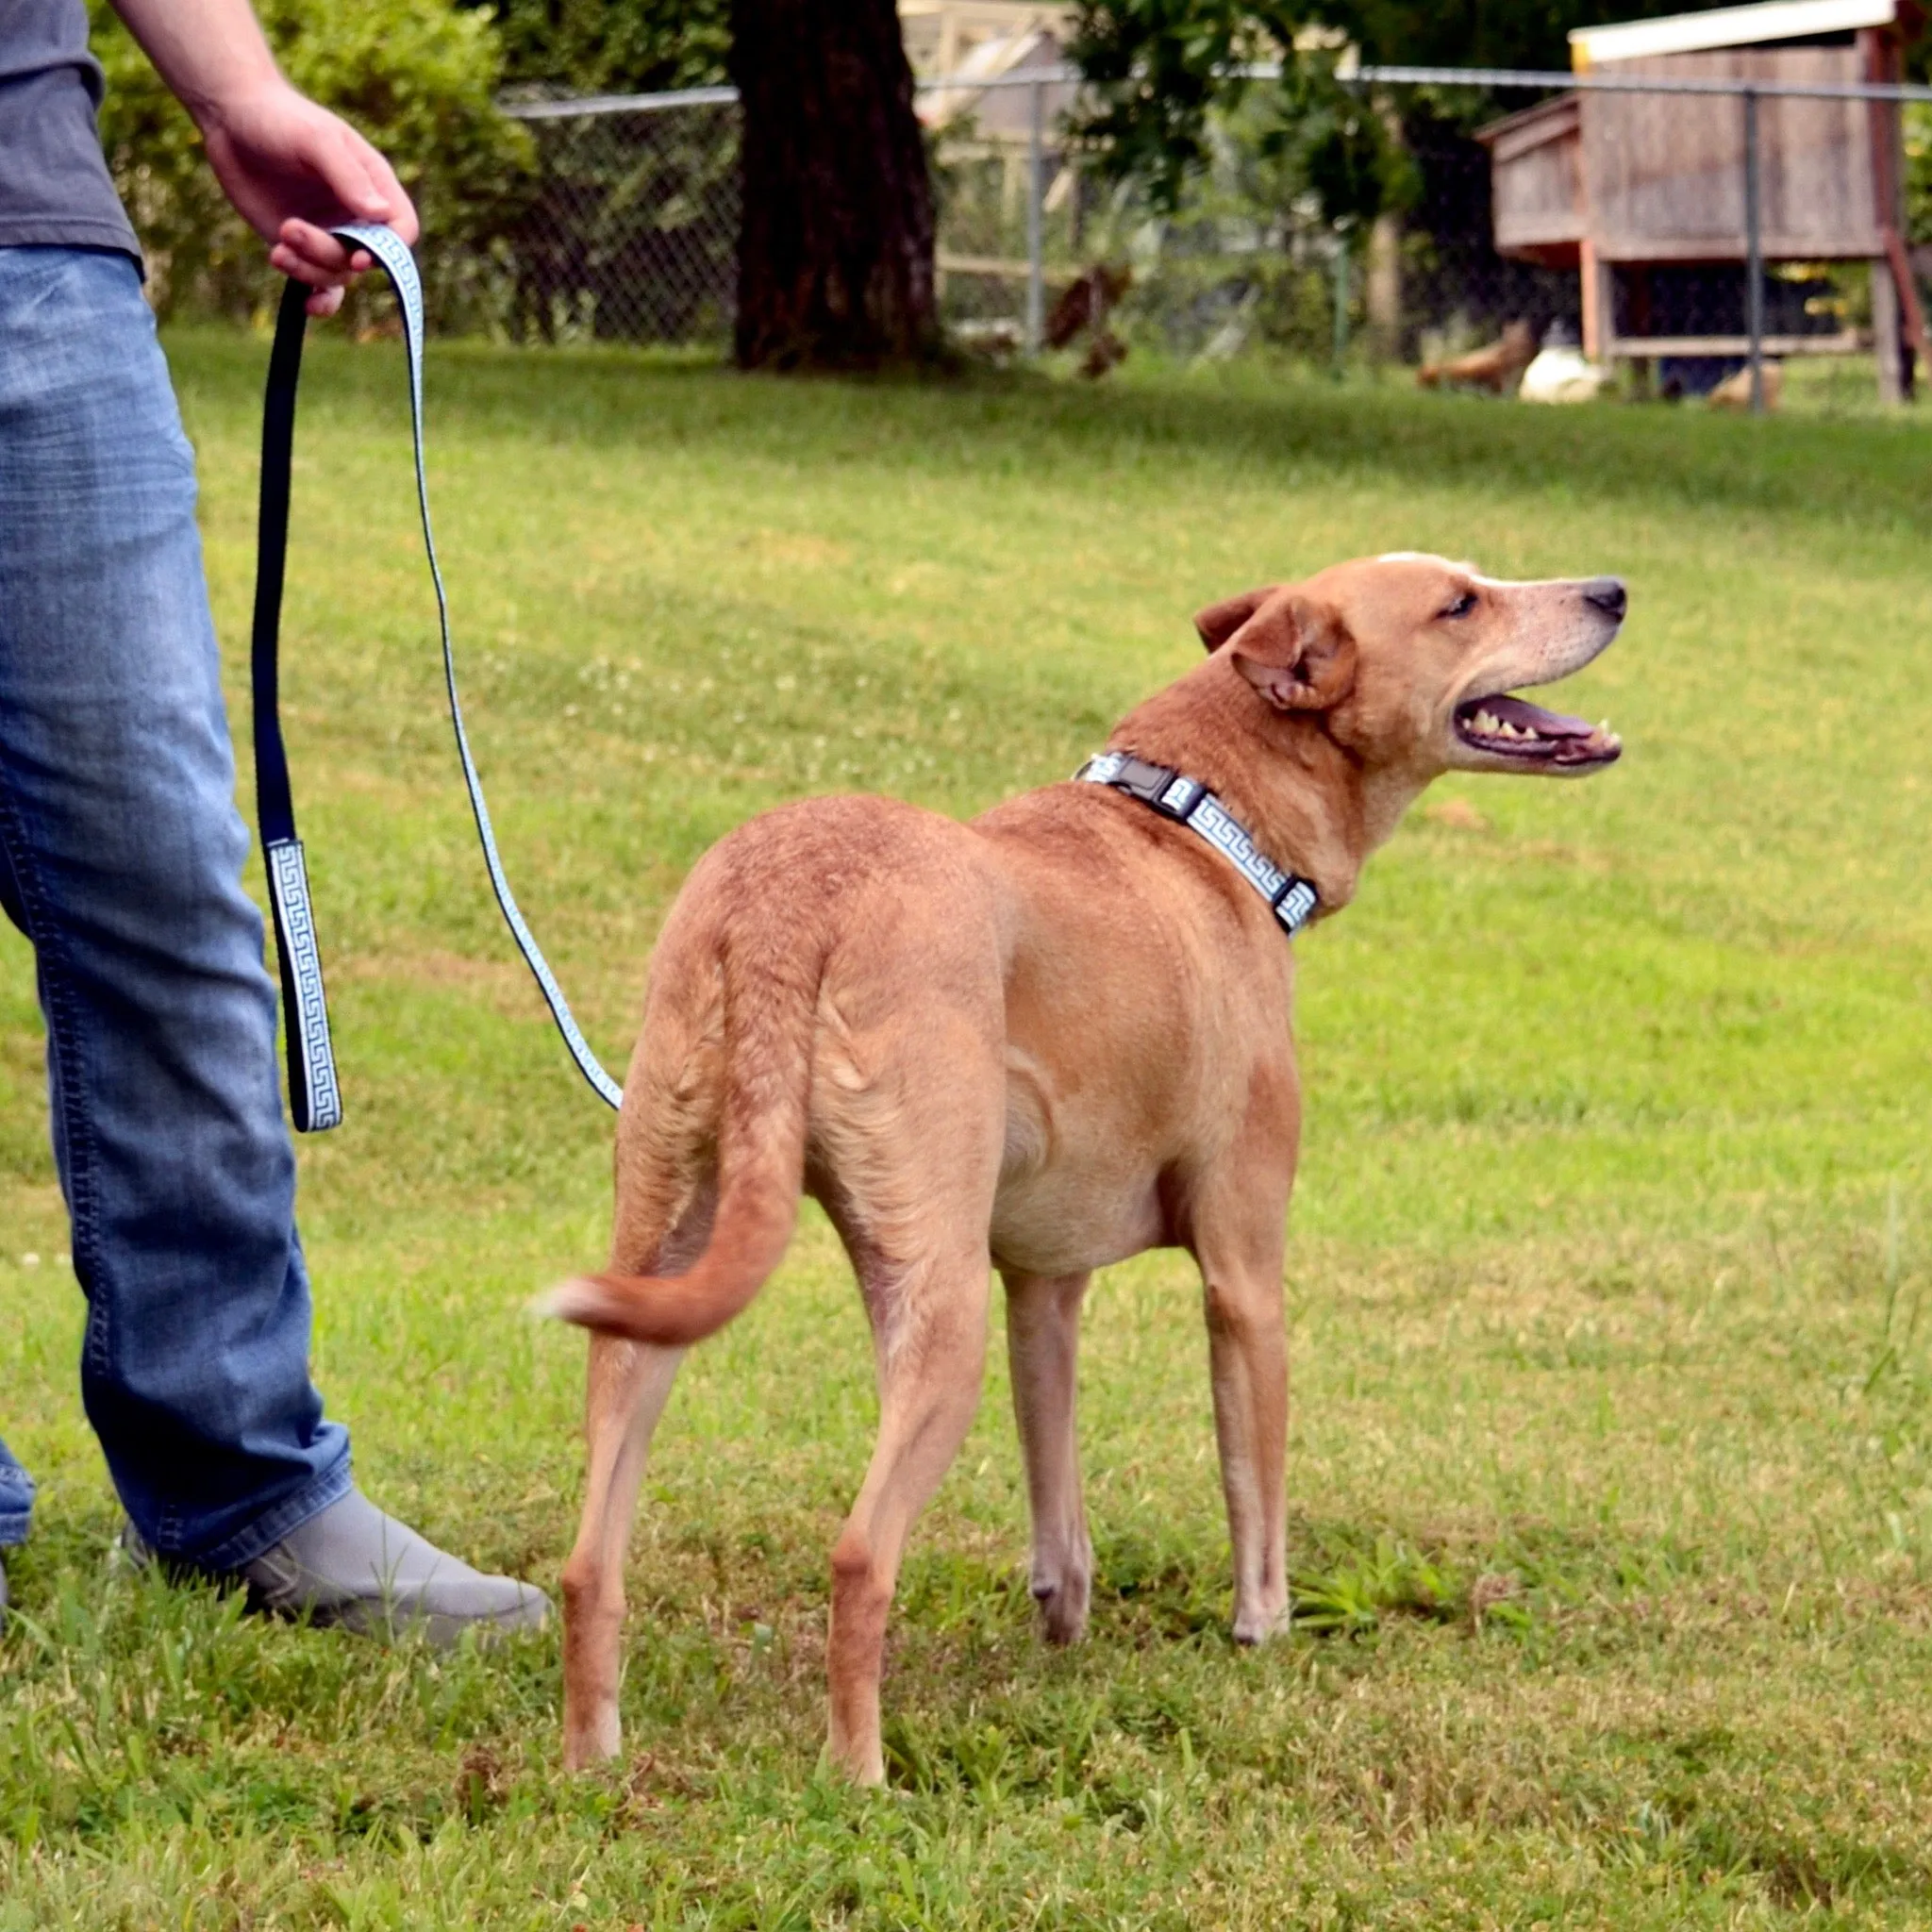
point(1156, 68)
point(612, 46)
point(1172, 100)
point(419, 77)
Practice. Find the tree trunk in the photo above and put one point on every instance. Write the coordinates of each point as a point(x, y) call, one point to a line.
point(835, 253)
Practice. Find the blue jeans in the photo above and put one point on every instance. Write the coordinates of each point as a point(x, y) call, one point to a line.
point(121, 854)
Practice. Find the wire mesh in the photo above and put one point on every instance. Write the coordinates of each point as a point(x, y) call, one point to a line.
point(630, 234)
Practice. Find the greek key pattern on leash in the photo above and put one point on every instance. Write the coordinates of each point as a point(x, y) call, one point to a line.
point(304, 1007)
point(400, 266)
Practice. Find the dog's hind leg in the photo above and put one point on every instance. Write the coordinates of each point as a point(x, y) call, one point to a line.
point(1043, 1347)
point(629, 1384)
point(931, 1349)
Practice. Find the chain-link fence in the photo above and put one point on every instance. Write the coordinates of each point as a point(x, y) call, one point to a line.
point(631, 232)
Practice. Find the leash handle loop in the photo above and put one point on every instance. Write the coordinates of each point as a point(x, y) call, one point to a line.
point(314, 1096)
point(393, 252)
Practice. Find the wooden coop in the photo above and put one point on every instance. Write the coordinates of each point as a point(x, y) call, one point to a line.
point(1619, 186)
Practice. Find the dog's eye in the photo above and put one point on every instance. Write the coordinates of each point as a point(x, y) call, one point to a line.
point(1462, 605)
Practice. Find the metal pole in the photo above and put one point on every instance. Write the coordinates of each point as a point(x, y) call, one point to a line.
point(1035, 195)
point(1753, 254)
point(1340, 354)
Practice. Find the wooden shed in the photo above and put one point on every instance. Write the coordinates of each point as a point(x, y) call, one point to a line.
point(1617, 184)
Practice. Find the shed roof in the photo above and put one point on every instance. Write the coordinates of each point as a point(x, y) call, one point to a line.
point(1725, 27)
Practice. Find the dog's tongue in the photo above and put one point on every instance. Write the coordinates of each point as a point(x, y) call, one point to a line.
point(1528, 717)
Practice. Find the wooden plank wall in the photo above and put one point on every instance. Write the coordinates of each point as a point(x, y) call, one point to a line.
point(1535, 187)
point(1666, 172)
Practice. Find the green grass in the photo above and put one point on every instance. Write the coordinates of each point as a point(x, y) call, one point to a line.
point(1611, 1471)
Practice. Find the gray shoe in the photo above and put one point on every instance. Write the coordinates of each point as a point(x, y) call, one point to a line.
point(359, 1569)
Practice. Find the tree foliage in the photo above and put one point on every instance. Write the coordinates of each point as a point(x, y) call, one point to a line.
point(1476, 33)
point(1159, 69)
point(612, 46)
point(1918, 144)
point(417, 77)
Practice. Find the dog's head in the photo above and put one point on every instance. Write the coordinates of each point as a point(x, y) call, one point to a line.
point(1409, 661)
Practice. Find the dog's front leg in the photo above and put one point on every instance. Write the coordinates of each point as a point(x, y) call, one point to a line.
point(1043, 1346)
point(629, 1384)
point(1248, 1350)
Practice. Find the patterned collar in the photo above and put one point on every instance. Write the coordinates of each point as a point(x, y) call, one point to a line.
point(1188, 802)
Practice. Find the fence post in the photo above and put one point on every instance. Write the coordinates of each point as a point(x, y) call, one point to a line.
point(1036, 197)
point(1753, 254)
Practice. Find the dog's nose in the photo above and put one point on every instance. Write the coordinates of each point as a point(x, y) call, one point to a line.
point(1608, 594)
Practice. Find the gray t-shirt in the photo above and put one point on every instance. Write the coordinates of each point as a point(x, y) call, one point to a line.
point(54, 188)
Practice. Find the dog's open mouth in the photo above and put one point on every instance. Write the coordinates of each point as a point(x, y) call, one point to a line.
point(1514, 728)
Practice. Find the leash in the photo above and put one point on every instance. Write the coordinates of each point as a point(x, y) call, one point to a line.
point(1188, 802)
point(314, 1094)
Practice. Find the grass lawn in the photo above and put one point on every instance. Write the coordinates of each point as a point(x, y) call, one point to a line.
point(1611, 1456)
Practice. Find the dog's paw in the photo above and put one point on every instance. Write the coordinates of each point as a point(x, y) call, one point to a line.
point(592, 1740)
point(1063, 1602)
point(1257, 1623)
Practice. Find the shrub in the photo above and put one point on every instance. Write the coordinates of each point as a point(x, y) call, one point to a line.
point(418, 77)
point(612, 46)
point(1918, 135)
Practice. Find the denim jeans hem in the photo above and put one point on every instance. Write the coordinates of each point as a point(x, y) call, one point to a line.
point(16, 1500)
point(265, 1532)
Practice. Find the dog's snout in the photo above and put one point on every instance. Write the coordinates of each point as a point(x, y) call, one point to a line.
point(1608, 594)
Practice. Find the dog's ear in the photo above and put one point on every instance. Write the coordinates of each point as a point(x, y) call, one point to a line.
point(1298, 654)
point(1220, 622)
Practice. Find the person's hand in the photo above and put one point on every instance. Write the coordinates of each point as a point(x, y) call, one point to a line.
point(291, 169)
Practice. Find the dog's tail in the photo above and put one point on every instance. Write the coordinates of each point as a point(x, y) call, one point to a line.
point(770, 1012)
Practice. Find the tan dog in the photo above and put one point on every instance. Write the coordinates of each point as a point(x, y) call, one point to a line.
point(1045, 1041)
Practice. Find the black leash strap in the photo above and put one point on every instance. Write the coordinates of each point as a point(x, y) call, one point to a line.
point(314, 1097)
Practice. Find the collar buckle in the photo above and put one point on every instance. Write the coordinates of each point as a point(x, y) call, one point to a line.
point(1178, 797)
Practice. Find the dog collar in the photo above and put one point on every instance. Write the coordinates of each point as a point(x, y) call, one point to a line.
point(1188, 802)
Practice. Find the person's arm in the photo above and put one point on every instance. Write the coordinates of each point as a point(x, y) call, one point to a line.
point(289, 167)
